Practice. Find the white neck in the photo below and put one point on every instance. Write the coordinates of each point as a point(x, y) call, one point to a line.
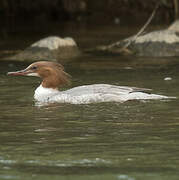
point(43, 94)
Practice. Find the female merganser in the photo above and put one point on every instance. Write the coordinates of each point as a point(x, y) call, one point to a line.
point(53, 76)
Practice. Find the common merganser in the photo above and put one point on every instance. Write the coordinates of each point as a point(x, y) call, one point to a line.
point(53, 76)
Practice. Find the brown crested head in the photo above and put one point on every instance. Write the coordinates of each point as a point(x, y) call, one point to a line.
point(52, 73)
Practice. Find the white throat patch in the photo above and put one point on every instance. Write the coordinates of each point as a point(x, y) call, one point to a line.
point(33, 74)
point(43, 94)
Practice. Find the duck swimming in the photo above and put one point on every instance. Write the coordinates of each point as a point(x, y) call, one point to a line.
point(54, 76)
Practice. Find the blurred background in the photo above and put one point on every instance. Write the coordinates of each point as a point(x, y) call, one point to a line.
point(28, 15)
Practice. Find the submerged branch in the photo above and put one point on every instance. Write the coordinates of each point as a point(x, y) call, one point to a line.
point(115, 47)
point(138, 34)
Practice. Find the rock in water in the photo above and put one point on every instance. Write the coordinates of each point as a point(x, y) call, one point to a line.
point(162, 43)
point(54, 42)
point(50, 48)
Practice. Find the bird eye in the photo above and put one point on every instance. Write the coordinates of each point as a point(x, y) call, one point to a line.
point(34, 67)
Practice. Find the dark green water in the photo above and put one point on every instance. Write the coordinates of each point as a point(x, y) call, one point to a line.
point(130, 141)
